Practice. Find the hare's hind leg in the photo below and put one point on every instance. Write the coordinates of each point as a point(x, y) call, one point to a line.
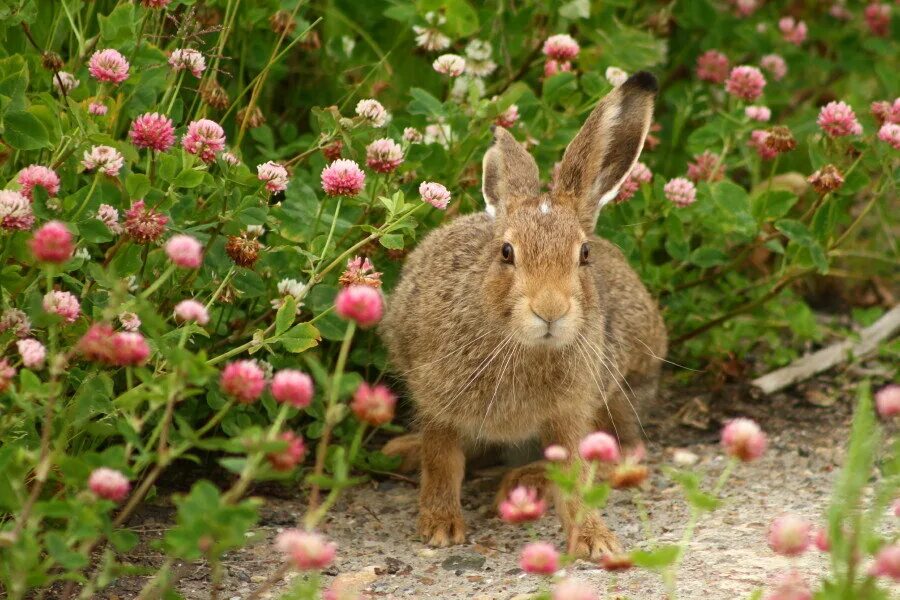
point(409, 448)
point(532, 475)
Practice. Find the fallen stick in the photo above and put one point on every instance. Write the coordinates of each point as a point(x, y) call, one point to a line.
point(824, 359)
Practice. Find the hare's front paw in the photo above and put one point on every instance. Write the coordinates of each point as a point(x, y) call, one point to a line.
point(593, 539)
point(532, 476)
point(442, 527)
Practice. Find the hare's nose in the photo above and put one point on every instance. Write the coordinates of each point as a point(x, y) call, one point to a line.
point(550, 312)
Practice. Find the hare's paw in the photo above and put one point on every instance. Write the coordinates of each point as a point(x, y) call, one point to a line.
point(532, 476)
point(408, 447)
point(593, 539)
point(442, 527)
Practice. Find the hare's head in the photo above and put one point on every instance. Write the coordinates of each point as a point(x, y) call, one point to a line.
point(538, 278)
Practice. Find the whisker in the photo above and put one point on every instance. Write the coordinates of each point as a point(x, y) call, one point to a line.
point(442, 358)
point(503, 366)
point(653, 354)
point(578, 345)
point(601, 355)
point(484, 365)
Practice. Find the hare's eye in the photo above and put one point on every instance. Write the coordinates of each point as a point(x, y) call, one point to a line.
point(585, 253)
point(506, 252)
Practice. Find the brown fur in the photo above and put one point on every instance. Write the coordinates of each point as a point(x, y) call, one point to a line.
point(544, 348)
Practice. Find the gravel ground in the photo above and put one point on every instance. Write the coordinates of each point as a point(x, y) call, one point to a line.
point(374, 525)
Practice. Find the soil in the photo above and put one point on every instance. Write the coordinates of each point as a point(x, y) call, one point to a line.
point(379, 555)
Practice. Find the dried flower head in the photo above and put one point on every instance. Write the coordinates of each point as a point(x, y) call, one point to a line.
point(827, 179)
point(282, 22)
point(15, 321)
point(780, 139)
point(52, 61)
point(243, 250)
point(253, 116)
point(214, 95)
point(706, 167)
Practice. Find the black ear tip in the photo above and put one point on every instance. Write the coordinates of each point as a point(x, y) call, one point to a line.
point(645, 81)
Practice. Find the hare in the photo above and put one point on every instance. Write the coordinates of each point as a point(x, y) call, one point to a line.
point(519, 323)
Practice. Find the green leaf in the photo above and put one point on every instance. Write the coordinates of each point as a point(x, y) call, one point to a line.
point(657, 558)
point(462, 20)
point(300, 337)
point(559, 85)
point(596, 496)
point(424, 103)
point(286, 314)
point(189, 178)
point(118, 26)
point(773, 204)
point(576, 9)
point(137, 185)
point(61, 553)
point(676, 242)
point(24, 131)
point(392, 241)
point(733, 205)
point(707, 256)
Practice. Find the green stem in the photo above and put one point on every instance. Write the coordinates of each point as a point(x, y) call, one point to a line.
point(86, 200)
point(159, 281)
point(330, 415)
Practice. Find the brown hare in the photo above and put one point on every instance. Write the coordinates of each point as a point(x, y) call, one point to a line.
point(520, 323)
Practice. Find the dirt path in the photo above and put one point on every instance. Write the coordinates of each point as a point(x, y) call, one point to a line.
point(378, 553)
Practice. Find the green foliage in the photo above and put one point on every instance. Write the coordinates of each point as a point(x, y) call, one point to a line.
point(725, 268)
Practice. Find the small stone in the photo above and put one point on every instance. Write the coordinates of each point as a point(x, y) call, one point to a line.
point(463, 562)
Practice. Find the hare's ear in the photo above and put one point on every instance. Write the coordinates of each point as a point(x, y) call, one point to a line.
point(597, 161)
point(509, 173)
